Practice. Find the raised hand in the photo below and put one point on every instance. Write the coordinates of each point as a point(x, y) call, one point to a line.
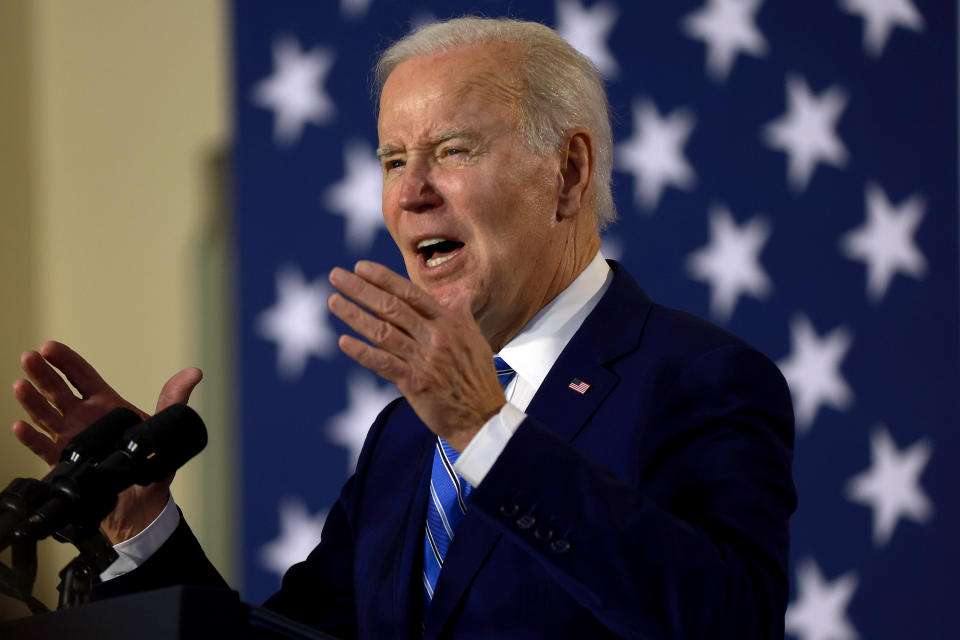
point(58, 415)
point(436, 355)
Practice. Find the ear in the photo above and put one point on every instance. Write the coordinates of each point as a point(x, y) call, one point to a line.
point(576, 173)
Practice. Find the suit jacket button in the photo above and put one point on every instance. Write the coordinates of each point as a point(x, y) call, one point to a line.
point(510, 510)
point(526, 522)
point(543, 534)
point(560, 546)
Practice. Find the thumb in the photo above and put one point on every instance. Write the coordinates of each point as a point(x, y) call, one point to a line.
point(179, 387)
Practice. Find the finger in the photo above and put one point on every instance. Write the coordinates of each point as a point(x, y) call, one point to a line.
point(40, 411)
point(382, 304)
point(179, 387)
point(36, 442)
point(78, 371)
point(47, 380)
point(393, 282)
point(380, 332)
point(384, 364)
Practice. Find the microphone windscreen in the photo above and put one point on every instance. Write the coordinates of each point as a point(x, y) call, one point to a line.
point(101, 437)
point(166, 441)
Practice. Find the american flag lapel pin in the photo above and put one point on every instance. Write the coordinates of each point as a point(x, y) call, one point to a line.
point(579, 386)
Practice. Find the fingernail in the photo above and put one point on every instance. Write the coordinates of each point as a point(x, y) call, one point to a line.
point(363, 267)
point(336, 275)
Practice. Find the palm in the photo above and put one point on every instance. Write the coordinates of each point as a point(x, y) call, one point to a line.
point(57, 412)
point(87, 411)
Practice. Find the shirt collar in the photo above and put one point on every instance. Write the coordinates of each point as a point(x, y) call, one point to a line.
point(534, 350)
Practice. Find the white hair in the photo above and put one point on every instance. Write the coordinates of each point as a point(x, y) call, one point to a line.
point(562, 89)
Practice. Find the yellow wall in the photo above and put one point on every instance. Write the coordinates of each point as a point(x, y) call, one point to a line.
point(112, 114)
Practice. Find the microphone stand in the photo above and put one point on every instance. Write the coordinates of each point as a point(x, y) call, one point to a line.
point(18, 582)
point(77, 578)
point(81, 573)
point(15, 503)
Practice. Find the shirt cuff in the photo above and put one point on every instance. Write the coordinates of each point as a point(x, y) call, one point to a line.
point(138, 549)
point(486, 446)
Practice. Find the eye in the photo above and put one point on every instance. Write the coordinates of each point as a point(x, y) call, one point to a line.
point(448, 152)
point(393, 164)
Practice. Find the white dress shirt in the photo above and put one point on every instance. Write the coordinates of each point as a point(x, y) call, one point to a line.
point(531, 354)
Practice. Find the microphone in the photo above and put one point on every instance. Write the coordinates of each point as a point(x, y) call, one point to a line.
point(95, 442)
point(23, 495)
point(159, 445)
point(148, 452)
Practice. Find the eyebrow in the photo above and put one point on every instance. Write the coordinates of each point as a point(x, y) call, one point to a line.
point(385, 150)
point(388, 150)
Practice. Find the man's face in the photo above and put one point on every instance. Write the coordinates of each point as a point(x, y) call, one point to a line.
point(471, 207)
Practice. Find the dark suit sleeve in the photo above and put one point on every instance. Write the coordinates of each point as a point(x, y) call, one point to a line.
point(318, 591)
point(180, 560)
point(694, 543)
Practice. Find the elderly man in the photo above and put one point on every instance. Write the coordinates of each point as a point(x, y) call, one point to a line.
point(623, 470)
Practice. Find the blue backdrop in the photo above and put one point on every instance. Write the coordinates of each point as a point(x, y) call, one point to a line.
point(786, 169)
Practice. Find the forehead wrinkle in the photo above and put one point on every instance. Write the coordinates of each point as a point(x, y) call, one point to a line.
point(493, 87)
point(490, 84)
point(449, 134)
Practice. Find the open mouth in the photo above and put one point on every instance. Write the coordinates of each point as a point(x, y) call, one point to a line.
point(436, 251)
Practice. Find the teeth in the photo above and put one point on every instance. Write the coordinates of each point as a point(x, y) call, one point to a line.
point(429, 242)
point(436, 262)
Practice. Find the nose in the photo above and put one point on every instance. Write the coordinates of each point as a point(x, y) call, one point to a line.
point(418, 193)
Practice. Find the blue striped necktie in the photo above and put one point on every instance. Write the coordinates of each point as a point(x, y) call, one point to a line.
point(446, 504)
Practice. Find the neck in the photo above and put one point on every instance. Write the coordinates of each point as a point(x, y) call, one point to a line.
point(567, 271)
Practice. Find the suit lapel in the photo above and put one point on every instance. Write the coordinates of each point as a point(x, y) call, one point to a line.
point(562, 409)
point(610, 331)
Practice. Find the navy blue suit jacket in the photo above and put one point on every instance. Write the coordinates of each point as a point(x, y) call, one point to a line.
point(655, 505)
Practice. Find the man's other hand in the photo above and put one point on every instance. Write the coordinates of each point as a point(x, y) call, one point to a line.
point(437, 356)
point(58, 414)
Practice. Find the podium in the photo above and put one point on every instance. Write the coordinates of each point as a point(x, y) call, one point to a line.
point(165, 614)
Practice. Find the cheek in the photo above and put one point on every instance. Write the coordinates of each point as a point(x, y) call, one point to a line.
point(391, 213)
point(536, 186)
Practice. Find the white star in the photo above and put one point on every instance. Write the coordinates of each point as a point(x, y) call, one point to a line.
point(357, 197)
point(806, 133)
point(879, 19)
point(587, 31)
point(654, 154)
point(730, 261)
point(298, 322)
point(820, 610)
point(885, 241)
point(813, 372)
point(299, 534)
point(294, 91)
point(365, 399)
point(354, 9)
point(727, 27)
point(891, 486)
